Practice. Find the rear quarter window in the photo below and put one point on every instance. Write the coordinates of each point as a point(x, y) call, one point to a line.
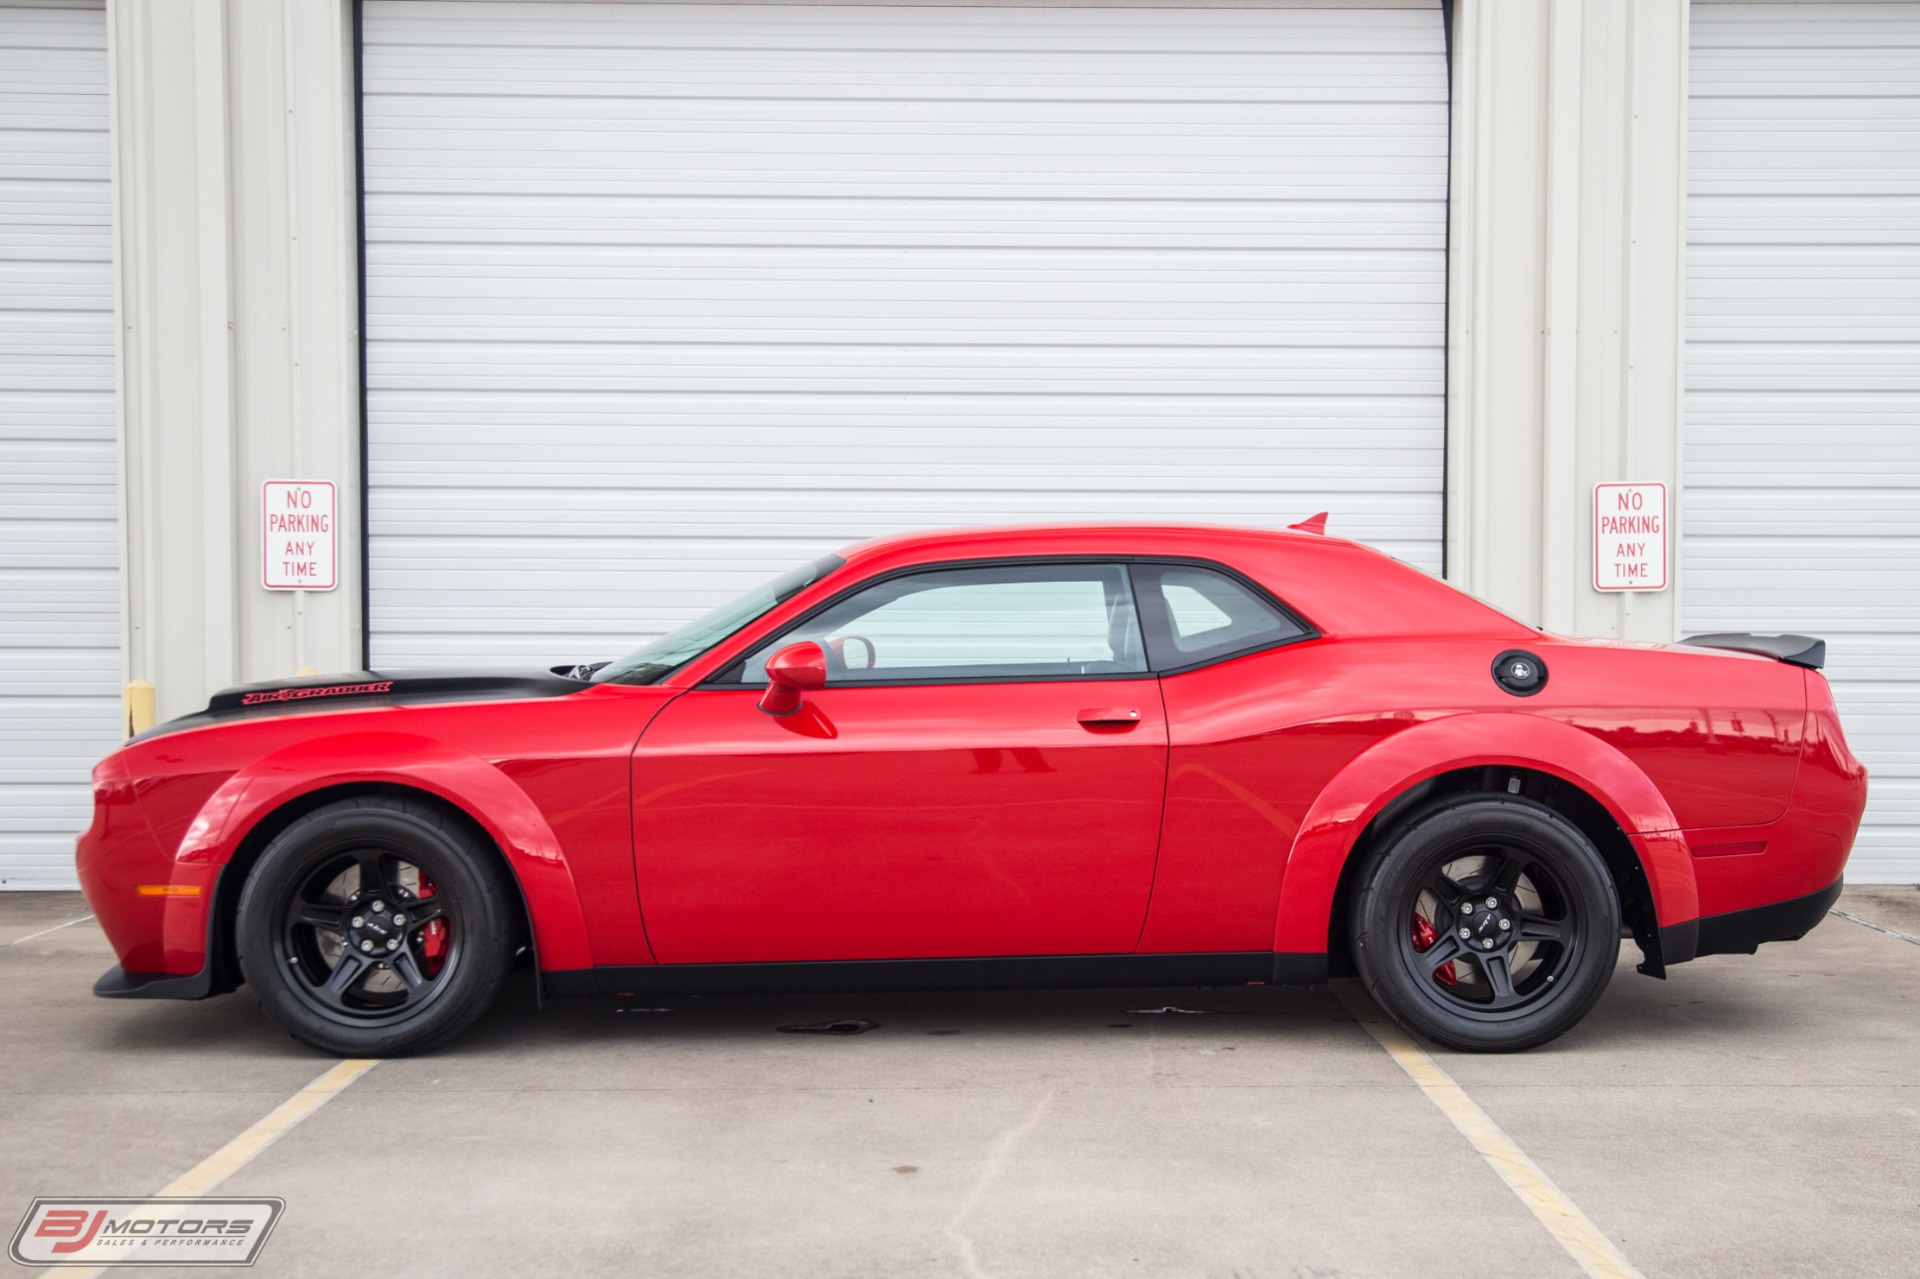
point(1197, 615)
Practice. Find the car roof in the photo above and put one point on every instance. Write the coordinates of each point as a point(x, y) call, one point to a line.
point(1109, 538)
point(1343, 587)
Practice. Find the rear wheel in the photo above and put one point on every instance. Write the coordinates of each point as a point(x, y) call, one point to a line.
point(375, 927)
point(1486, 923)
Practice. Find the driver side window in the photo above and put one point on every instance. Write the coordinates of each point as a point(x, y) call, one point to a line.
point(1026, 621)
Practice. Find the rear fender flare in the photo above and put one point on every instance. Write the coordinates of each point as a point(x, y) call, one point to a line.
point(455, 776)
point(1383, 772)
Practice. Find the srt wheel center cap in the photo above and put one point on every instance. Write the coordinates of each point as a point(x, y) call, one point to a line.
point(375, 933)
point(1489, 926)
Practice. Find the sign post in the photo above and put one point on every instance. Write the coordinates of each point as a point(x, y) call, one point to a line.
point(298, 541)
point(1630, 544)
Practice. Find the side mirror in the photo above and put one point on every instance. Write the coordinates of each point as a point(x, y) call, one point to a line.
point(795, 669)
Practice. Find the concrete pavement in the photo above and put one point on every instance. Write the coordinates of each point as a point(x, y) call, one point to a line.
point(1752, 1115)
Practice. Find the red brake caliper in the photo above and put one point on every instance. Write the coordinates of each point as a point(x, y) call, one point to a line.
point(433, 937)
point(1423, 938)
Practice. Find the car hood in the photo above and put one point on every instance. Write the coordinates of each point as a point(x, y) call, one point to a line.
point(360, 689)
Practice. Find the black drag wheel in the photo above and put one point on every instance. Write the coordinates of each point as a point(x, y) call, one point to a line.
point(375, 927)
point(1486, 923)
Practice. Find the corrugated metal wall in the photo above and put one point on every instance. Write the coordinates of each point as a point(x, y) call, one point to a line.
point(59, 544)
point(665, 298)
point(1803, 365)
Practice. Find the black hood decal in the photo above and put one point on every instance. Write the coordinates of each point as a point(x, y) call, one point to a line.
point(400, 687)
point(361, 689)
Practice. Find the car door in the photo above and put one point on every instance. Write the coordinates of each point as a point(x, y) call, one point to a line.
point(982, 775)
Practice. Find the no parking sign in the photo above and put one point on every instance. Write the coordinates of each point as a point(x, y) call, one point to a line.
point(297, 535)
point(1629, 537)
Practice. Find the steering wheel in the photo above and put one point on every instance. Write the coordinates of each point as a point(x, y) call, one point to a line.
point(837, 650)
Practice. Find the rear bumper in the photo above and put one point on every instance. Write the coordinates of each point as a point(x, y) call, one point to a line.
point(118, 983)
point(1741, 932)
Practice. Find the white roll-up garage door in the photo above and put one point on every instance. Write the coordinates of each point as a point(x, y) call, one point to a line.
point(663, 298)
point(669, 296)
point(1803, 365)
point(59, 540)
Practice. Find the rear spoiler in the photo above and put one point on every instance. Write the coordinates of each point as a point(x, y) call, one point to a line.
point(1797, 650)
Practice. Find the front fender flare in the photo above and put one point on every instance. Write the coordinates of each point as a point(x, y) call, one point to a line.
point(414, 762)
point(1386, 770)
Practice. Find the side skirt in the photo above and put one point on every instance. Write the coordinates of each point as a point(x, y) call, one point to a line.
point(1025, 972)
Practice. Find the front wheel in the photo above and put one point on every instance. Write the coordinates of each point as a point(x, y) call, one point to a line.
point(1486, 923)
point(375, 927)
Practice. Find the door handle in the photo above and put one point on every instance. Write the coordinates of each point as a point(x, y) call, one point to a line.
point(1110, 716)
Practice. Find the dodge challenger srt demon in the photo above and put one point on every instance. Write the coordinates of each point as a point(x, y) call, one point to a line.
point(1081, 756)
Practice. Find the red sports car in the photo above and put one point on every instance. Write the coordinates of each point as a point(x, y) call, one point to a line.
point(1092, 756)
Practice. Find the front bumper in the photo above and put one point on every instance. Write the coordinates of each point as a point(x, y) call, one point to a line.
point(164, 941)
point(1741, 932)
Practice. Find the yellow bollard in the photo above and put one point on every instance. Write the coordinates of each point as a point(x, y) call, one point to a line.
point(139, 705)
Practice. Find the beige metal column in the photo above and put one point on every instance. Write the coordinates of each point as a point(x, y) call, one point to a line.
point(1567, 284)
point(235, 260)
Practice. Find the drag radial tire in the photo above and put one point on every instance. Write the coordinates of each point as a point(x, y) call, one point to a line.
point(1488, 923)
point(376, 927)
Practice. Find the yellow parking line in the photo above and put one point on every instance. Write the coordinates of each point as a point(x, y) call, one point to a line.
point(1579, 1236)
point(239, 1152)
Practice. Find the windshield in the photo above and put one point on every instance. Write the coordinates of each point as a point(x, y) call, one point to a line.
point(674, 650)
